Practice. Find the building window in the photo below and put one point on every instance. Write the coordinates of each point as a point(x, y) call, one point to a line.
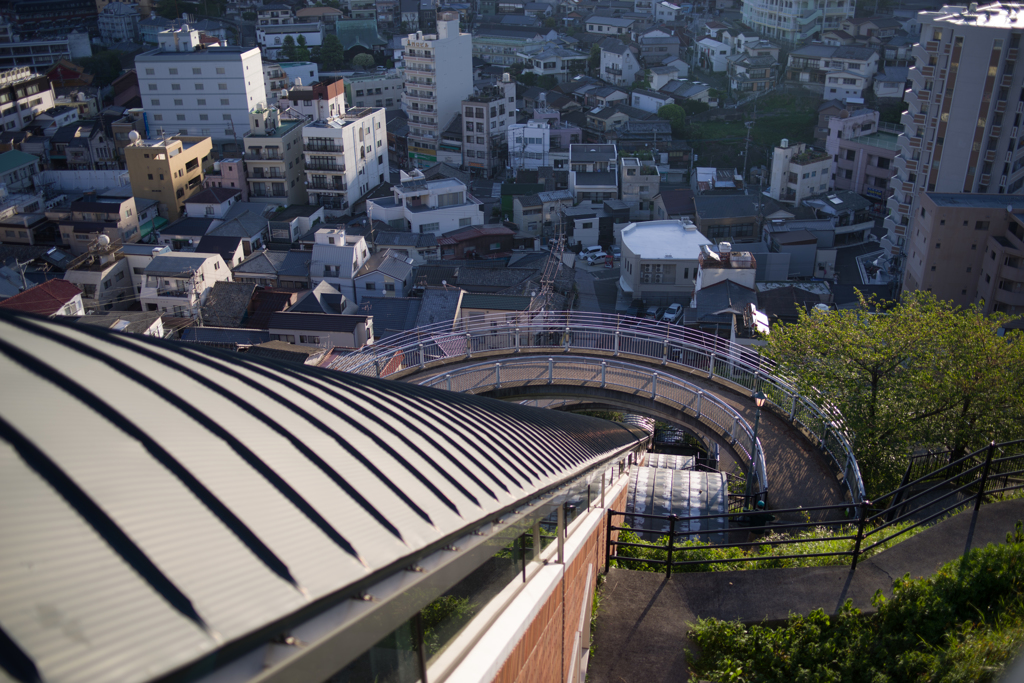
point(181, 117)
point(196, 71)
point(179, 103)
point(309, 339)
point(152, 86)
point(199, 86)
point(150, 72)
point(389, 286)
point(201, 102)
point(175, 86)
point(371, 285)
point(224, 103)
point(220, 70)
point(204, 117)
point(155, 103)
point(221, 86)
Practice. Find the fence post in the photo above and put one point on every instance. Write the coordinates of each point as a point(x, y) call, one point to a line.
point(792, 412)
point(602, 487)
point(517, 340)
point(469, 345)
point(757, 381)
point(664, 353)
point(864, 504)
point(551, 370)
point(671, 542)
point(497, 375)
point(423, 362)
point(616, 343)
point(522, 553)
point(654, 385)
point(608, 542)
point(700, 402)
point(604, 368)
point(711, 366)
point(567, 345)
point(984, 474)
point(560, 532)
point(449, 378)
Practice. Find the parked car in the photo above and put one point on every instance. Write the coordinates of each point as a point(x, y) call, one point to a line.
point(597, 258)
point(655, 312)
point(672, 314)
point(617, 253)
point(588, 252)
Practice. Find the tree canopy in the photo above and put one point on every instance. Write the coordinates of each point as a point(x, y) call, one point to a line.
point(915, 374)
point(364, 60)
point(331, 55)
point(288, 49)
point(675, 115)
point(301, 51)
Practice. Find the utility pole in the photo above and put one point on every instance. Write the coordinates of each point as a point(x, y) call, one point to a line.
point(746, 149)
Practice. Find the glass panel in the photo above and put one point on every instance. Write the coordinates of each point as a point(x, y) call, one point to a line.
point(392, 660)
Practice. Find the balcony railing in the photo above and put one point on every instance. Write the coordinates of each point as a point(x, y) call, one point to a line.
point(266, 173)
point(263, 156)
point(322, 165)
point(173, 292)
point(328, 187)
point(311, 146)
point(267, 193)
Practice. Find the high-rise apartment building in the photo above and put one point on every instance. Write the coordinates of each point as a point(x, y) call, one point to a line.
point(486, 117)
point(963, 118)
point(187, 89)
point(438, 77)
point(346, 157)
point(793, 22)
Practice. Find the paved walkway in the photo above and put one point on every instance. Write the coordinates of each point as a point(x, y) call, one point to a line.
point(644, 617)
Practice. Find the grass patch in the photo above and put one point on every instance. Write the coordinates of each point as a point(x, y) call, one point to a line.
point(765, 556)
point(965, 623)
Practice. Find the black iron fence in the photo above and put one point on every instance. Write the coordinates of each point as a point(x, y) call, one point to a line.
point(939, 487)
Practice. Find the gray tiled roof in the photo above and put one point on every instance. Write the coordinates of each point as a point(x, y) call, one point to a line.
point(391, 315)
point(438, 305)
point(710, 207)
point(175, 266)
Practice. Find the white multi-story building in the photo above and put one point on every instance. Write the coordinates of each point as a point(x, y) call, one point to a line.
point(179, 282)
point(24, 96)
point(427, 206)
point(119, 22)
point(967, 143)
point(279, 76)
point(799, 172)
point(346, 157)
point(620, 63)
point(317, 101)
point(190, 90)
point(793, 22)
point(438, 77)
point(43, 53)
point(336, 259)
point(529, 145)
point(486, 117)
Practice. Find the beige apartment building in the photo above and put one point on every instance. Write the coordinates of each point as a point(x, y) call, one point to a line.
point(274, 167)
point(169, 170)
point(967, 248)
point(798, 172)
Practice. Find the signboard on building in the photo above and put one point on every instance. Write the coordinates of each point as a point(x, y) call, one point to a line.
point(874, 192)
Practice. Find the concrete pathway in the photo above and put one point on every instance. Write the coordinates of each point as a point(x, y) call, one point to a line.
point(644, 618)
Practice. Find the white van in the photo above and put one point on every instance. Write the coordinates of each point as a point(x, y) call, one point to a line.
point(588, 252)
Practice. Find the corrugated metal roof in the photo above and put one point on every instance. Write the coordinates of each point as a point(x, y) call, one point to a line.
point(191, 498)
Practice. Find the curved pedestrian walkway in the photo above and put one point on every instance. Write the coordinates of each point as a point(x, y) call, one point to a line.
point(798, 472)
point(644, 618)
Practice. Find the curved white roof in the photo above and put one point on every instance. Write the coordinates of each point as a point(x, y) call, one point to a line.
point(663, 239)
point(161, 502)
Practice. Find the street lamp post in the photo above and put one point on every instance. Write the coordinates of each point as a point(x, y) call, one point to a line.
point(759, 399)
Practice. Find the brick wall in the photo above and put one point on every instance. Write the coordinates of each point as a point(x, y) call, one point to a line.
point(547, 647)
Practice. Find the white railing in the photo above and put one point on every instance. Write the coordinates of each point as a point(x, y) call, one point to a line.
point(637, 380)
point(616, 336)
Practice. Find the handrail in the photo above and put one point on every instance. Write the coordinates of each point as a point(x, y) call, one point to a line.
point(618, 336)
point(992, 469)
point(531, 370)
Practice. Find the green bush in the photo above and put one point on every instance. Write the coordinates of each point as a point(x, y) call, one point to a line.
point(962, 624)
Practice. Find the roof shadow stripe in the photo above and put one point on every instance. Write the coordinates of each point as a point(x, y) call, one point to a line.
point(15, 662)
point(295, 441)
point(188, 480)
point(501, 449)
point(254, 461)
point(365, 432)
point(409, 425)
point(104, 526)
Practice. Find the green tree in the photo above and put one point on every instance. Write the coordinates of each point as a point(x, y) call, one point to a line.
point(104, 66)
point(595, 57)
point(248, 16)
point(551, 22)
point(547, 81)
point(643, 79)
point(692, 107)
point(675, 115)
point(364, 60)
point(287, 51)
point(301, 51)
point(332, 53)
point(915, 374)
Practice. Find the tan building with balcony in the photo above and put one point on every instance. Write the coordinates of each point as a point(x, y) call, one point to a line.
point(169, 171)
point(798, 172)
point(640, 185)
point(967, 248)
point(438, 77)
point(273, 158)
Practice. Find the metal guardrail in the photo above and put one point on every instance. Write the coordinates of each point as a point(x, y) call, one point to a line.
point(635, 379)
point(616, 336)
point(995, 470)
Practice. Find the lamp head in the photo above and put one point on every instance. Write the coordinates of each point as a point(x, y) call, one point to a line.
point(759, 399)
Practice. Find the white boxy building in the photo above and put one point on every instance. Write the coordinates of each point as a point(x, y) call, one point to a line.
point(427, 206)
point(345, 157)
point(179, 282)
point(187, 89)
point(659, 261)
